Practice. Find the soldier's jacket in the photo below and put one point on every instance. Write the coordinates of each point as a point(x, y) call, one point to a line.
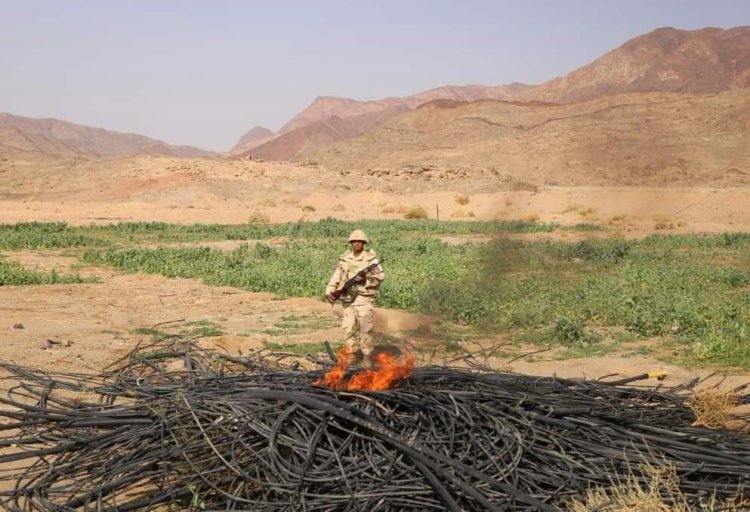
point(349, 265)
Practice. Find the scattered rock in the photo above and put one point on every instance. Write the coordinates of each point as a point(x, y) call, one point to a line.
point(18, 326)
point(49, 343)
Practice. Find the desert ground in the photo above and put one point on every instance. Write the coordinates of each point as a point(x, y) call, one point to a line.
point(235, 190)
point(88, 326)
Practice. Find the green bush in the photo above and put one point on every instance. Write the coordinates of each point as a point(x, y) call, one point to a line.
point(569, 332)
point(13, 274)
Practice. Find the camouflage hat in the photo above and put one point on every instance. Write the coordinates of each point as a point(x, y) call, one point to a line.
point(358, 235)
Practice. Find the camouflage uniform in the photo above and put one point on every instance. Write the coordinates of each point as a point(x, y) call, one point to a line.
point(360, 303)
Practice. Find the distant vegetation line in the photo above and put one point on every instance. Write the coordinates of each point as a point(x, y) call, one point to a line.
point(35, 235)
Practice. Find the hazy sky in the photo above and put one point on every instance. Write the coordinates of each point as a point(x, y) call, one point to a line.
point(204, 72)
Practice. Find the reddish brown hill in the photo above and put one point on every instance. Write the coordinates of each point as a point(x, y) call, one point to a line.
point(51, 137)
point(304, 139)
point(627, 139)
point(325, 121)
point(254, 137)
point(328, 120)
point(295, 144)
point(325, 107)
point(667, 59)
point(328, 106)
point(472, 92)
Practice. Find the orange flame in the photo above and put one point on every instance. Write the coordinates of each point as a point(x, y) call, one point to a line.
point(335, 377)
point(388, 369)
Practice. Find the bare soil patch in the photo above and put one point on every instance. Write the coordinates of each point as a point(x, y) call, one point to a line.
point(232, 191)
point(72, 327)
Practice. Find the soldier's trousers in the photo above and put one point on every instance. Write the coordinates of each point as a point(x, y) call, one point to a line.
point(357, 317)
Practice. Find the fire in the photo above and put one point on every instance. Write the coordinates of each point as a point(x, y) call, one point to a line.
point(335, 377)
point(388, 369)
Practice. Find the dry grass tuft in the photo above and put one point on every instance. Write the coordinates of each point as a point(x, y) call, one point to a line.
point(308, 208)
point(415, 212)
point(662, 221)
point(663, 225)
point(712, 408)
point(388, 209)
point(259, 218)
point(587, 212)
point(656, 491)
point(530, 216)
point(338, 208)
point(523, 186)
point(462, 199)
point(290, 199)
point(267, 201)
point(458, 214)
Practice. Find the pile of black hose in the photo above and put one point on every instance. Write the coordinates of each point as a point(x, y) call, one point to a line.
point(262, 437)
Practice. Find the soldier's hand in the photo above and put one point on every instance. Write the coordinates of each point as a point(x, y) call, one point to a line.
point(360, 279)
point(329, 297)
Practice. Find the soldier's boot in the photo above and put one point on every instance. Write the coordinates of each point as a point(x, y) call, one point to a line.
point(351, 351)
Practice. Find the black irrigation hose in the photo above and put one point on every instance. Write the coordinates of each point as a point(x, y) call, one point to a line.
point(253, 434)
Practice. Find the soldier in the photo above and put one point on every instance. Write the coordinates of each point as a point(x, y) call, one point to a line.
point(359, 301)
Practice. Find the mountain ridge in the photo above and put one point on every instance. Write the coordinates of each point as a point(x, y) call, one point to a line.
point(655, 138)
point(255, 136)
point(706, 60)
point(665, 59)
point(57, 138)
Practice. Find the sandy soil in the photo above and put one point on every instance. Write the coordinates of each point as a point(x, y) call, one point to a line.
point(145, 188)
point(627, 211)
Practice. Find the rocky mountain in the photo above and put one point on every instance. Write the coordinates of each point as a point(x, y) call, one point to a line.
point(308, 138)
point(254, 137)
point(652, 138)
point(21, 136)
point(325, 121)
point(666, 59)
point(327, 106)
point(313, 128)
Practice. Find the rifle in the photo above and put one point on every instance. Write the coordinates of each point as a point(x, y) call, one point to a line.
point(353, 280)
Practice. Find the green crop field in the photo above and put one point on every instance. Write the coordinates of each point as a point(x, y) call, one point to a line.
point(690, 291)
